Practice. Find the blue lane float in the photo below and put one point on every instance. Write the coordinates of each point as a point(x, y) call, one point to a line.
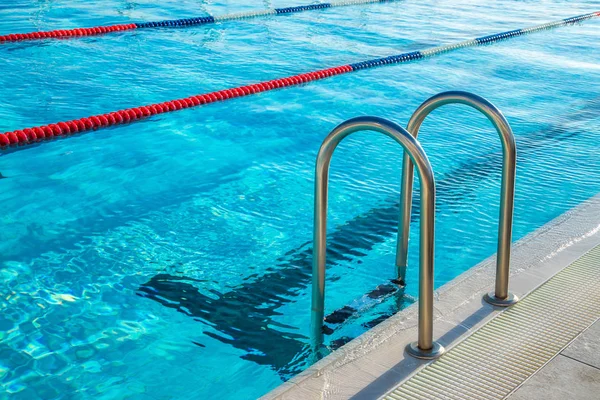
point(289, 10)
point(176, 22)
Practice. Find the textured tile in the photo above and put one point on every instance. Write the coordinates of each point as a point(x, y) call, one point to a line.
point(562, 378)
point(586, 348)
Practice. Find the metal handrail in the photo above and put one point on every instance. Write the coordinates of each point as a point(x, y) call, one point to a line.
point(425, 347)
point(501, 296)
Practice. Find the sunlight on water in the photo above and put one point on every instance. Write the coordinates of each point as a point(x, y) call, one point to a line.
point(171, 258)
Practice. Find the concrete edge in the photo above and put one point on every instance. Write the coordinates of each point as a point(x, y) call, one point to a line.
point(373, 363)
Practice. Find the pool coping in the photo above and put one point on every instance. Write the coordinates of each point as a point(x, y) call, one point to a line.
point(374, 363)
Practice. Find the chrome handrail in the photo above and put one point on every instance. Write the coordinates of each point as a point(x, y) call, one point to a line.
point(501, 296)
point(425, 347)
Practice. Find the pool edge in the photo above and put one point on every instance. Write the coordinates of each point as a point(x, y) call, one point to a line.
point(375, 362)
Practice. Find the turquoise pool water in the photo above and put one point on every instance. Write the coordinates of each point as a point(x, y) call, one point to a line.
point(170, 258)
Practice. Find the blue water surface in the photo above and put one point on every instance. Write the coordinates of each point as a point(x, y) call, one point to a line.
point(170, 258)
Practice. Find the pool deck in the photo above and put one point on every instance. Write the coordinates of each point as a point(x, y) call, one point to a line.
point(574, 374)
point(375, 363)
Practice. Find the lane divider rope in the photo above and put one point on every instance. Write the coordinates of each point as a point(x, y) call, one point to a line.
point(68, 128)
point(177, 23)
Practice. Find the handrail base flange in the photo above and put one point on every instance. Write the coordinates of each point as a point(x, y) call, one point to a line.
point(414, 350)
point(495, 301)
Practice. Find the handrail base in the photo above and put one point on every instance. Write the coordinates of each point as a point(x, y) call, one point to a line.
point(414, 350)
point(495, 301)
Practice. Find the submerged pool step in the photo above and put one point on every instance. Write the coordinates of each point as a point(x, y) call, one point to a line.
point(501, 355)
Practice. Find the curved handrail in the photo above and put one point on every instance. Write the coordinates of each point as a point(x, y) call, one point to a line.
point(425, 347)
point(501, 296)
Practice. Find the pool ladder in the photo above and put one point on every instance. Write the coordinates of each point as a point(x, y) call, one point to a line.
point(414, 155)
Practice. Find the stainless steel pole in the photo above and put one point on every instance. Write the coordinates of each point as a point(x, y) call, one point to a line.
point(501, 296)
point(425, 347)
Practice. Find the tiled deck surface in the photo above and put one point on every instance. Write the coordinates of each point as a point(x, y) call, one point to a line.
point(574, 374)
point(505, 353)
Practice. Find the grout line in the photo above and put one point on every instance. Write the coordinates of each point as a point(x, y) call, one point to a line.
point(574, 359)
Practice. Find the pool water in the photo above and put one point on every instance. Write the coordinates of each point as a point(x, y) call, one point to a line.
point(171, 258)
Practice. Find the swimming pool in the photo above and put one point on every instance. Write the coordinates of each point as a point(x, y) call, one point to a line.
point(171, 259)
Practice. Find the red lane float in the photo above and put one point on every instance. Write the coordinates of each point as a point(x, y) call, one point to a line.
point(67, 128)
point(182, 22)
point(98, 30)
point(46, 132)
